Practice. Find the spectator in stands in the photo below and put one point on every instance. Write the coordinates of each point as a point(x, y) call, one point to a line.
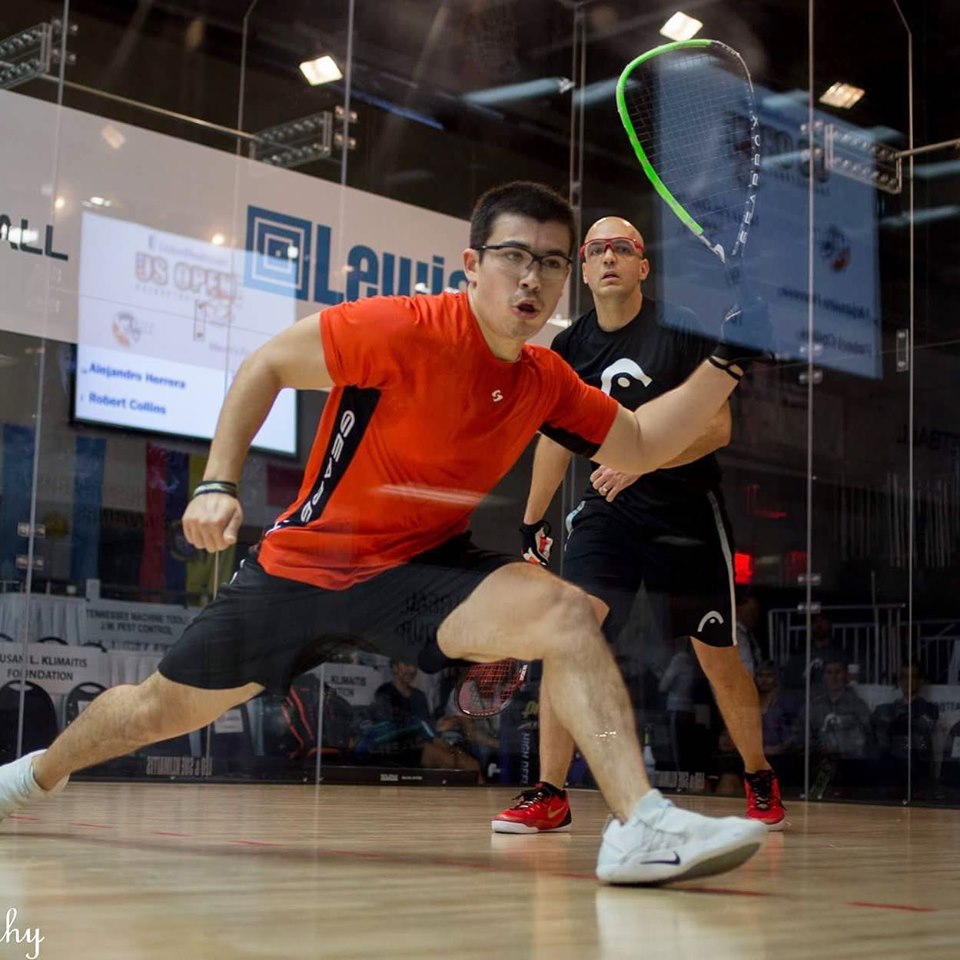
point(840, 733)
point(839, 719)
point(781, 712)
point(678, 683)
point(477, 736)
point(405, 732)
point(904, 731)
point(822, 650)
point(748, 618)
point(781, 716)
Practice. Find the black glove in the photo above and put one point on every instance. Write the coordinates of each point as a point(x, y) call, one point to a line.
point(745, 335)
point(536, 541)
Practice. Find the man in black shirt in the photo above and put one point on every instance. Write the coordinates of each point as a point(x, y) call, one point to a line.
point(667, 530)
point(405, 729)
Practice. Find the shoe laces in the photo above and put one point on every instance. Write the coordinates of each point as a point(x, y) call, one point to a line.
point(761, 785)
point(527, 798)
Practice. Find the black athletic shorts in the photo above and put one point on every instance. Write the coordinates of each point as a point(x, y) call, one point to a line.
point(687, 559)
point(267, 630)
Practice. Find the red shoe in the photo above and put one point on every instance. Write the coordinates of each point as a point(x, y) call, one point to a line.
point(537, 810)
point(763, 799)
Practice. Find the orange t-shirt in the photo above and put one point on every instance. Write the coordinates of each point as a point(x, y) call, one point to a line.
point(423, 422)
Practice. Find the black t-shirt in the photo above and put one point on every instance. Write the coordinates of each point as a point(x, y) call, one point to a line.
point(653, 353)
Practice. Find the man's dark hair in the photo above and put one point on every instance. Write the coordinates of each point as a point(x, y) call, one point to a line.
point(526, 199)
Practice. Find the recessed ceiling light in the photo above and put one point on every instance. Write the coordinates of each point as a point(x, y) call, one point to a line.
point(100, 202)
point(320, 70)
point(681, 27)
point(842, 95)
point(218, 239)
point(113, 136)
point(60, 203)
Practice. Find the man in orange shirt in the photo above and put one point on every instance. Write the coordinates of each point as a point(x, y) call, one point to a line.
point(434, 398)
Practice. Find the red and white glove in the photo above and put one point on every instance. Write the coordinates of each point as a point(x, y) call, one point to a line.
point(536, 542)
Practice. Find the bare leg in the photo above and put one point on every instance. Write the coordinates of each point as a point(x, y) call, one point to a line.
point(737, 699)
point(556, 745)
point(125, 718)
point(523, 611)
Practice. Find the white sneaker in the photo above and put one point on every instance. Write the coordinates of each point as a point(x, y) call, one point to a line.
point(660, 843)
point(18, 788)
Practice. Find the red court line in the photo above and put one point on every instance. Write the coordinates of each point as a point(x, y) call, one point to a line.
point(891, 906)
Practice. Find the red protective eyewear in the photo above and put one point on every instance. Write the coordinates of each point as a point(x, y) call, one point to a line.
point(621, 246)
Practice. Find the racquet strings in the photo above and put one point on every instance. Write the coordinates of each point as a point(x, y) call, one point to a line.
point(488, 687)
point(691, 112)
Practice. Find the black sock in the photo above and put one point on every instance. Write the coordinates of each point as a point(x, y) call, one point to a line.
point(551, 789)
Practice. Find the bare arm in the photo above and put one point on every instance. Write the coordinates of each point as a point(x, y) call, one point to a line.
point(550, 462)
point(716, 435)
point(664, 428)
point(293, 358)
point(608, 483)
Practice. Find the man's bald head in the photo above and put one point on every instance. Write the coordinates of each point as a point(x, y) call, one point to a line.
point(607, 227)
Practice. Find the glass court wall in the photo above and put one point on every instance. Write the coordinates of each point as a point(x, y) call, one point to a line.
point(181, 192)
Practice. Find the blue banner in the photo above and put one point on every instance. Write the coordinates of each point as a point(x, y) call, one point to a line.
point(15, 500)
point(90, 453)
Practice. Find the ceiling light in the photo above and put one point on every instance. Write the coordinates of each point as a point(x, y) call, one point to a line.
point(842, 95)
point(596, 92)
point(320, 70)
point(681, 27)
point(113, 136)
point(530, 89)
point(218, 239)
point(100, 202)
point(59, 203)
point(932, 215)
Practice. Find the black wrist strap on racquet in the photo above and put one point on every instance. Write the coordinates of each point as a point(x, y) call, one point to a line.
point(227, 487)
point(725, 365)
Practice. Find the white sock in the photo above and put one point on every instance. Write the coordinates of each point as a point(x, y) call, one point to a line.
point(30, 782)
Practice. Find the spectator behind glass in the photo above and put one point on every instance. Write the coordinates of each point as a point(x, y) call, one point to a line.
point(748, 617)
point(822, 650)
point(781, 711)
point(906, 728)
point(678, 683)
point(839, 719)
point(781, 716)
point(406, 733)
point(477, 736)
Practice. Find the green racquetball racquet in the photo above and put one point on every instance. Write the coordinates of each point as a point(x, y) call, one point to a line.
point(689, 112)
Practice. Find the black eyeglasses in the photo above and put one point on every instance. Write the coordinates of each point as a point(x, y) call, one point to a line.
point(518, 261)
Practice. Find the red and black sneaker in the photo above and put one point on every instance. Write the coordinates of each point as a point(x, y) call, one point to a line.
point(763, 799)
point(540, 809)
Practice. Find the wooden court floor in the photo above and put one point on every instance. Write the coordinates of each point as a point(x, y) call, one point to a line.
point(131, 871)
